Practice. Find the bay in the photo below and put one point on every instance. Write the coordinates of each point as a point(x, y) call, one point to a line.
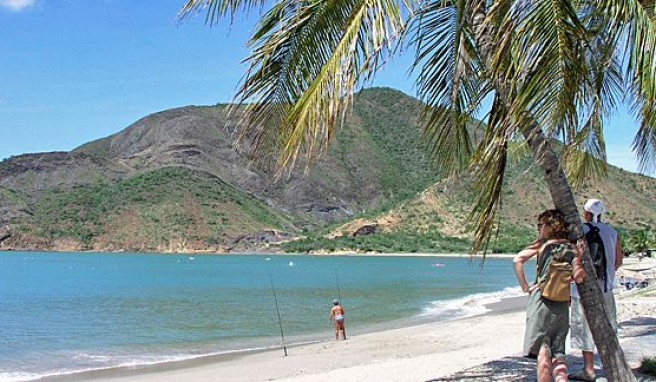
point(63, 313)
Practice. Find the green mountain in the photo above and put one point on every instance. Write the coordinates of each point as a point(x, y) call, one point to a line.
point(173, 182)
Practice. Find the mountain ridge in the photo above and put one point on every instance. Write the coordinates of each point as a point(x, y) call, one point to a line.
point(375, 170)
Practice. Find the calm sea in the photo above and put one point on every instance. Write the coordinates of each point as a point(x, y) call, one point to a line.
point(63, 313)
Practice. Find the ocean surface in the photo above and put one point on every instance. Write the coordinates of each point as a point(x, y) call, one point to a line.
point(64, 313)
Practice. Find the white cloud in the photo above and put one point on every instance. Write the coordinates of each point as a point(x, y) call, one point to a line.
point(17, 5)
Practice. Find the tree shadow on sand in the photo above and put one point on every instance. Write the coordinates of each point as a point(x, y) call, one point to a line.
point(638, 331)
point(517, 369)
point(505, 369)
point(638, 326)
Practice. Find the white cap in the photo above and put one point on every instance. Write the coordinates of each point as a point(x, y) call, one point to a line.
point(595, 207)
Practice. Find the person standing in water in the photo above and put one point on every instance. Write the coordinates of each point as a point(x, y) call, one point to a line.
point(337, 314)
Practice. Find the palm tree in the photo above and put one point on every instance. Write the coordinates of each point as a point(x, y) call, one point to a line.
point(640, 241)
point(552, 70)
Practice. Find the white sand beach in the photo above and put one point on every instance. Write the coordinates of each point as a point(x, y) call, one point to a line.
point(419, 353)
point(414, 353)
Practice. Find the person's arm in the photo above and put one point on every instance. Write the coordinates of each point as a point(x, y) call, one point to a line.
point(331, 315)
point(518, 264)
point(578, 273)
point(619, 253)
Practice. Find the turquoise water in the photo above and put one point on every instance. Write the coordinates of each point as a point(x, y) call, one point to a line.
point(62, 313)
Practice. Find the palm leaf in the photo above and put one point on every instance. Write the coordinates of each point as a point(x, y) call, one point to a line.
point(217, 9)
point(547, 51)
point(489, 166)
point(585, 154)
point(448, 82)
point(308, 59)
point(635, 22)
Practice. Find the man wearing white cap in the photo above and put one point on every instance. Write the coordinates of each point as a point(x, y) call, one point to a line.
point(581, 338)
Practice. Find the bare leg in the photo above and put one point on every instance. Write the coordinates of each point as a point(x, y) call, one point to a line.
point(559, 371)
point(588, 362)
point(544, 364)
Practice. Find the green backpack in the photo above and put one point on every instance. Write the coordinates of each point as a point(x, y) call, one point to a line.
point(554, 273)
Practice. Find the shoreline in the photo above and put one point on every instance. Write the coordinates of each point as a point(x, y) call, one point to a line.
point(388, 346)
point(444, 351)
point(263, 253)
point(420, 352)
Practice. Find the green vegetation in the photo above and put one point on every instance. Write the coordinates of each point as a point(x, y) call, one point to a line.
point(12, 198)
point(406, 242)
point(648, 366)
point(640, 241)
point(97, 149)
point(376, 166)
point(390, 118)
point(511, 240)
point(155, 208)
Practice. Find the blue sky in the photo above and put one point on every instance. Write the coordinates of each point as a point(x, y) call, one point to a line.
point(72, 71)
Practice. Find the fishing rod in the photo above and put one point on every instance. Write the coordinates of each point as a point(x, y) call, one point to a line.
point(275, 298)
point(339, 292)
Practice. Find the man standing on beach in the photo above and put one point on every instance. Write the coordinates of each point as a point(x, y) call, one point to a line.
point(337, 314)
point(581, 337)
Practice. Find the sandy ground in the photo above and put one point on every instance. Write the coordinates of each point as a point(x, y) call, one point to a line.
point(415, 353)
point(489, 344)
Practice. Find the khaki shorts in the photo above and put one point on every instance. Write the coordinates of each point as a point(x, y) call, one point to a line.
point(580, 336)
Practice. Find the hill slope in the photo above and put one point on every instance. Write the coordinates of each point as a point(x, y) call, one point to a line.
point(172, 181)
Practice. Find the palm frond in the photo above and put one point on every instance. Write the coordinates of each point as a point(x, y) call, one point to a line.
point(489, 167)
point(635, 22)
point(585, 153)
point(548, 68)
point(448, 82)
point(215, 10)
point(308, 59)
point(642, 69)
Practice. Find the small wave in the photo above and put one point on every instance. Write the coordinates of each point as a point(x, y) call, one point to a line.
point(108, 362)
point(468, 306)
point(18, 377)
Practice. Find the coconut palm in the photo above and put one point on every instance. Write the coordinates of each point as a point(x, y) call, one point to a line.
point(640, 241)
point(551, 70)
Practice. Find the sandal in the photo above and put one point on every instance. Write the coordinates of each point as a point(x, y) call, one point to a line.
point(581, 375)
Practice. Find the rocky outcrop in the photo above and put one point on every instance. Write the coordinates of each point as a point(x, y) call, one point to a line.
point(260, 240)
point(365, 230)
point(5, 233)
point(32, 174)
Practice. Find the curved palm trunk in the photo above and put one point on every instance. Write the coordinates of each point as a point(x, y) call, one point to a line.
point(612, 356)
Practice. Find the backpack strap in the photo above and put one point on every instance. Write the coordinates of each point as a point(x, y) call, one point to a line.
point(543, 256)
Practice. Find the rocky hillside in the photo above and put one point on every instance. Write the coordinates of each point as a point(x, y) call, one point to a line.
point(172, 181)
point(76, 199)
point(436, 220)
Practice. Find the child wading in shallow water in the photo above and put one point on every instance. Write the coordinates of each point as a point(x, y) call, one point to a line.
point(547, 311)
